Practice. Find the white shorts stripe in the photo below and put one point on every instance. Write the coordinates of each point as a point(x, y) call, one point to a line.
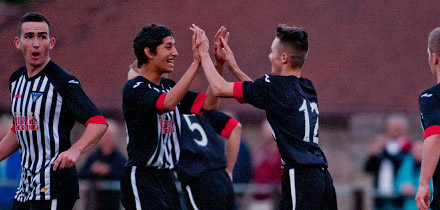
point(292, 187)
point(54, 204)
point(193, 203)
point(134, 187)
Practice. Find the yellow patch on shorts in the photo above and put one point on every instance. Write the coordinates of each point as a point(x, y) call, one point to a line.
point(44, 189)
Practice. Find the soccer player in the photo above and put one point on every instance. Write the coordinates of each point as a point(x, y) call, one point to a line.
point(152, 107)
point(291, 107)
point(46, 102)
point(430, 112)
point(203, 170)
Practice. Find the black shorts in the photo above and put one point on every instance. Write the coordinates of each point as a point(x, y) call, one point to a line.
point(307, 188)
point(148, 188)
point(62, 203)
point(212, 190)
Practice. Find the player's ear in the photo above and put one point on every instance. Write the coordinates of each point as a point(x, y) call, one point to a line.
point(436, 58)
point(17, 42)
point(52, 43)
point(148, 53)
point(284, 58)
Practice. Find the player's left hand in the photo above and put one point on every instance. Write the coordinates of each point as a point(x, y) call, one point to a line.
point(422, 197)
point(66, 159)
point(218, 52)
point(202, 42)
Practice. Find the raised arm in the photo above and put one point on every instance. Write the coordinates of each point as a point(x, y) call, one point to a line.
point(8, 145)
point(231, 149)
point(230, 60)
point(219, 86)
point(177, 93)
point(90, 137)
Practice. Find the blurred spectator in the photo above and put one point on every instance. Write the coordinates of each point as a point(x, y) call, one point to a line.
point(242, 172)
point(385, 158)
point(104, 167)
point(10, 169)
point(267, 171)
point(407, 178)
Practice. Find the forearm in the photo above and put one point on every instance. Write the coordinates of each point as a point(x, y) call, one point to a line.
point(241, 76)
point(430, 157)
point(212, 101)
point(177, 93)
point(232, 147)
point(90, 137)
point(8, 145)
point(220, 87)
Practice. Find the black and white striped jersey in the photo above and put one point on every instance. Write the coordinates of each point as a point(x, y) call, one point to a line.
point(291, 107)
point(45, 108)
point(153, 136)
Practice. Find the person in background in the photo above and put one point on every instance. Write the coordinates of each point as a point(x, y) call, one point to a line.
point(10, 169)
point(268, 171)
point(104, 166)
point(408, 176)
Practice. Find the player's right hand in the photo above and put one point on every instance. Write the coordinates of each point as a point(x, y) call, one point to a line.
point(422, 197)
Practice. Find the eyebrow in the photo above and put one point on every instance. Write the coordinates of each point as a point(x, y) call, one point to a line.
point(39, 33)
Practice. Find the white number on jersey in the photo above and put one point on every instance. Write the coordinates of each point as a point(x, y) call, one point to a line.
point(196, 126)
point(308, 125)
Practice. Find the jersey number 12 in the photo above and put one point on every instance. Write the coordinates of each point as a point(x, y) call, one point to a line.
point(308, 118)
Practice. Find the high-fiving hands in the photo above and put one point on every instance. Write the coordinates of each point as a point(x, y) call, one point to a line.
point(200, 41)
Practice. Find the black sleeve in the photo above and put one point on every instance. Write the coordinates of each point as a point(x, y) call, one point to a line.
point(147, 98)
point(191, 103)
point(261, 93)
point(217, 119)
point(429, 107)
point(78, 103)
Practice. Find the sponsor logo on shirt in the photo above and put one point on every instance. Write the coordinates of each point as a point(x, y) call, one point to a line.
point(166, 126)
point(26, 123)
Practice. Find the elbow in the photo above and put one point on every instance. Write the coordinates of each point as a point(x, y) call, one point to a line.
point(217, 90)
point(167, 107)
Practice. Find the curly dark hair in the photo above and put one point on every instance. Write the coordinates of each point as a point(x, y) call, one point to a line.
point(150, 36)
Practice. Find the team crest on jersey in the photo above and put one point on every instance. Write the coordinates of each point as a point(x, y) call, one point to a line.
point(26, 123)
point(35, 96)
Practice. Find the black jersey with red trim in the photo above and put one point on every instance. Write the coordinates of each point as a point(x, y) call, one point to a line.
point(291, 107)
point(153, 136)
point(202, 149)
point(45, 108)
point(429, 102)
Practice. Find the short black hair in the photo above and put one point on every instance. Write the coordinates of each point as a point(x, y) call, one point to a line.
point(297, 40)
point(150, 36)
point(32, 17)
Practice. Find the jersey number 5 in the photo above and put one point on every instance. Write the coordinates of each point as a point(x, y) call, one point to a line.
point(308, 118)
point(193, 126)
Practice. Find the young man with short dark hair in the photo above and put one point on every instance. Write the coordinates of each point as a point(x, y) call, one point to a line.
point(46, 101)
point(152, 108)
point(291, 107)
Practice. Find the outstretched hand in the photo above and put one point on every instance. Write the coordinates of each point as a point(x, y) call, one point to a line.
point(200, 42)
point(218, 52)
point(227, 52)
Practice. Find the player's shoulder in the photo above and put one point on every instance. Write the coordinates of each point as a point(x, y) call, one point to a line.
point(17, 74)
point(60, 76)
point(432, 92)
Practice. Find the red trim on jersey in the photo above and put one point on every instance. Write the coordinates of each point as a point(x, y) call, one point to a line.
point(431, 130)
point(238, 92)
point(230, 125)
point(198, 103)
point(13, 128)
point(160, 101)
point(98, 119)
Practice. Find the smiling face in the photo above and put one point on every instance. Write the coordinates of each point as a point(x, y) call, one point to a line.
point(35, 43)
point(163, 58)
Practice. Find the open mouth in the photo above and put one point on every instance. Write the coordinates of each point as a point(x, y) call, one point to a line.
point(35, 54)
